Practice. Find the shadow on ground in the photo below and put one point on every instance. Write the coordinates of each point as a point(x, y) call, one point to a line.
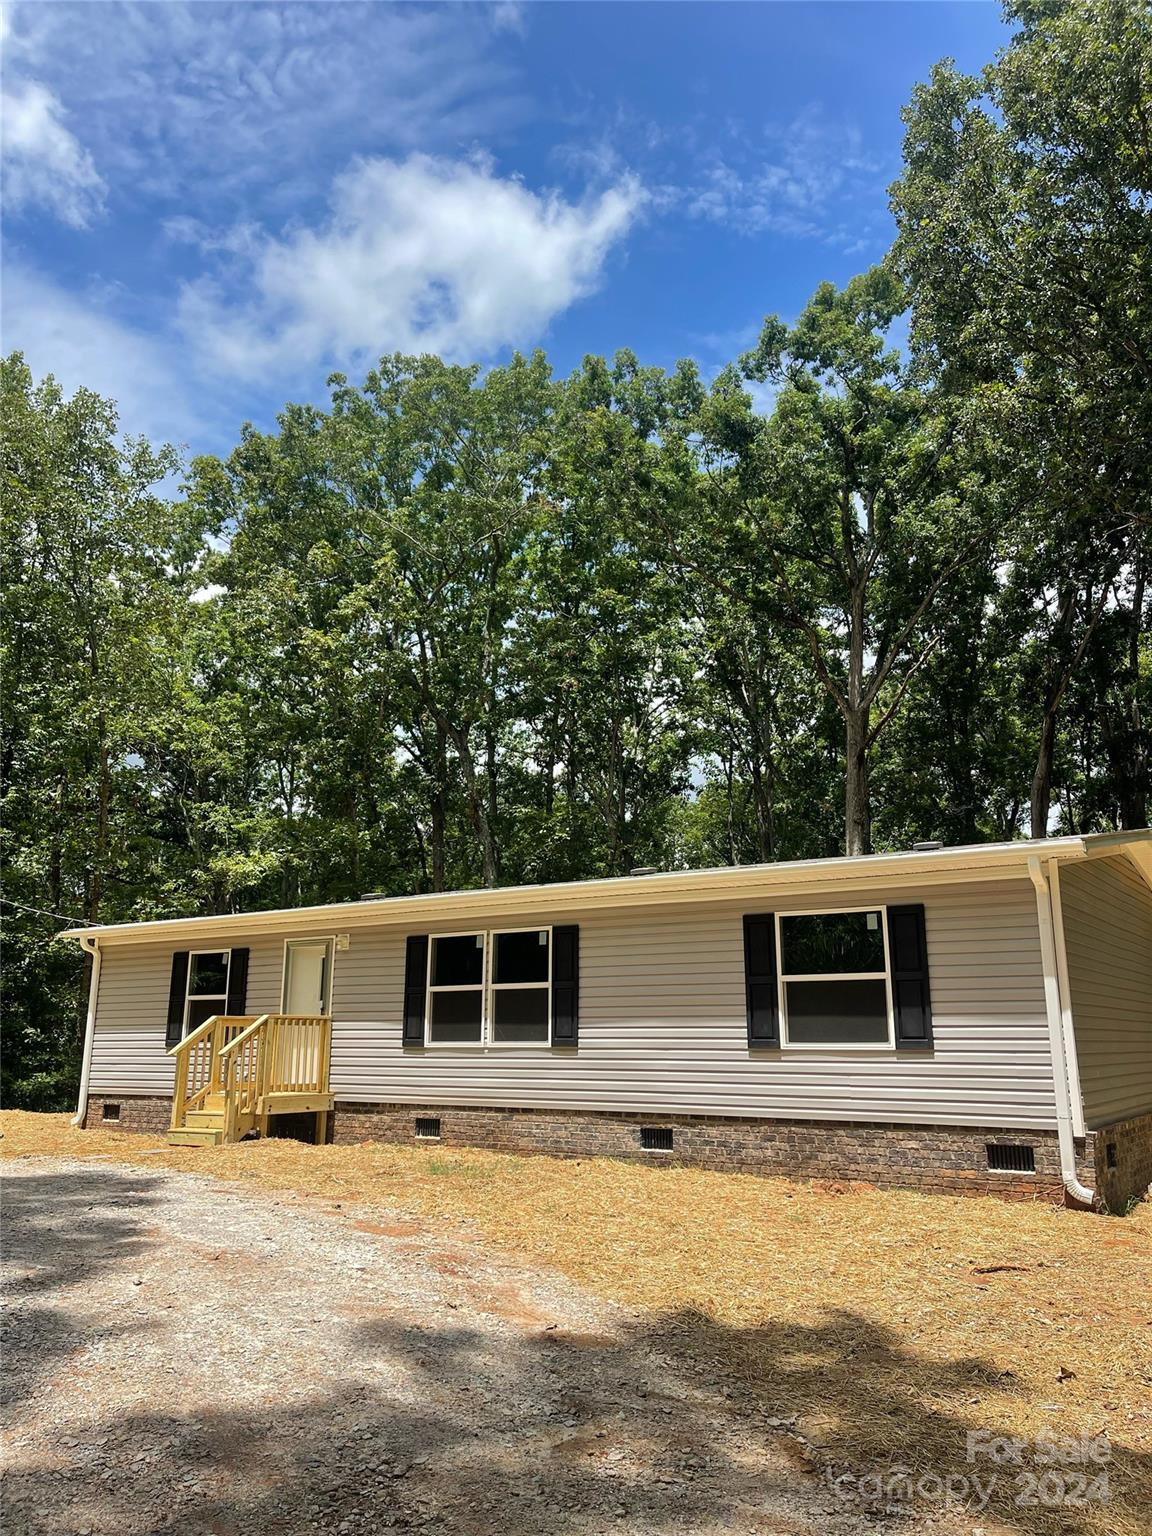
point(451, 1429)
point(60, 1230)
point(889, 1410)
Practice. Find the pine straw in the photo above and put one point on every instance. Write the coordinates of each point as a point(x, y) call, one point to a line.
point(890, 1323)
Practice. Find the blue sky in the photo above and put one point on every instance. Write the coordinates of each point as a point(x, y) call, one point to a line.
point(209, 207)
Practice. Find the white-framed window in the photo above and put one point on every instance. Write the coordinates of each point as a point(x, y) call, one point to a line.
point(490, 988)
point(835, 987)
point(207, 990)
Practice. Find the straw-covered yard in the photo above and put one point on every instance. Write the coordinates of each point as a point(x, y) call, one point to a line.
point(887, 1325)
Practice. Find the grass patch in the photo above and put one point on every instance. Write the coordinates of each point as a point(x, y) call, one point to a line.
point(890, 1323)
point(446, 1168)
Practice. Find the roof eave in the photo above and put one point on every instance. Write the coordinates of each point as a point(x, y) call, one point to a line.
point(938, 867)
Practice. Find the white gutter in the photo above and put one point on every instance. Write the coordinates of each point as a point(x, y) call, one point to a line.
point(987, 861)
point(91, 947)
point(1053, 1007)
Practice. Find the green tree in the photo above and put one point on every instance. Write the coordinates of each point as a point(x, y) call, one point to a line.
point(1024, 213)
point(847, 515)
point(98, 566)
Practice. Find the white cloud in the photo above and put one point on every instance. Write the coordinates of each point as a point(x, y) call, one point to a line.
point(425, 255)
point(85, 346)
point(43, 161)
point(255, 105)
point(508, 16)
point(799, 181)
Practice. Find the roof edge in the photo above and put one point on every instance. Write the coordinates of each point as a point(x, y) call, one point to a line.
point(940, 866)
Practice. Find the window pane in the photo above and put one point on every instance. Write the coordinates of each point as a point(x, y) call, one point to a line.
point(208, 973)
point(522, 956)
point(458, 962)
point(837, 1012)
point(201, 1009)
point(455, 1018)
point(520, 1016)
point(831, 942)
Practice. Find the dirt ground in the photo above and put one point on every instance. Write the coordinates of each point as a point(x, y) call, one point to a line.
point(183, 1356)
point(561, 1340)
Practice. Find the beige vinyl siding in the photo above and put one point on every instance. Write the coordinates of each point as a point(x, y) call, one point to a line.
point(1107, 911)
point(128, 1054)
point(662, 1021)
point(128, 1050)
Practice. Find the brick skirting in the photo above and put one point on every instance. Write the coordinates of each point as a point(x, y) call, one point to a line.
point(146, 1116)
point(1123, 1161)
point(942, 1159)
point(936, 1158)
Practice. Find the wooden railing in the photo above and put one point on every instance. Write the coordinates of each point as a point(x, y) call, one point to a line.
point(243, 1070)
point(249, 1061)
point(277, 1055)
point(298, 1050)
point(198, 1062)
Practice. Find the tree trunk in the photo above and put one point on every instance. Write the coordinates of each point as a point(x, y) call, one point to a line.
point(477, 808)
point(857, 722)
point(1134, 772)
point(1040, 799)
point(436, 839)
point(1041, 796)
point(857, 807)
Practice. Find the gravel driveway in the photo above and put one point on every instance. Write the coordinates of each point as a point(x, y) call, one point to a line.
point(184, 1355)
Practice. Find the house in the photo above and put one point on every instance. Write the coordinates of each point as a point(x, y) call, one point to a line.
point(956, 1019)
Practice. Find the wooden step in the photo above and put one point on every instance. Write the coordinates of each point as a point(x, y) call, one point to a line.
point(196, 1136)
point(205, 1119)
point(294, 1103)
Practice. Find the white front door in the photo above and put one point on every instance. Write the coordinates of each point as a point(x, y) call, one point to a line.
point(307, 971)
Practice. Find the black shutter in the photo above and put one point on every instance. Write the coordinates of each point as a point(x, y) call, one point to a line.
point(760, 979)
point(238, 982)
point(415, 986)
point(177, 992)
point(908, 961)
point(566, 985)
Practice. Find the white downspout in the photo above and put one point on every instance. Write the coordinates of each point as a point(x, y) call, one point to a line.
point(91, 947)
point(1064, 1128)
point(1071, 1054)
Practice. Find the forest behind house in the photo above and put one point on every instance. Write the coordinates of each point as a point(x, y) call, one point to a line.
point(469, 626)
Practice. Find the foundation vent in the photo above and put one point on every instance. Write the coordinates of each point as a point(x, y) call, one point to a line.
point(427, 1129)
point(110, 1112)
point(1011, 1159)
point(656, 1138)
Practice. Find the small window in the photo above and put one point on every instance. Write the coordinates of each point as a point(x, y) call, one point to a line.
point(207, 987)
point(1110, 1154)
point(521, 993)
point(1011, 1159)
point(834, 987)
point(110, 1112)
point(458, 960)
point(456, 989)
point(656, 1138)
point(208, 974)
point(490, 988)
point(427, 1128)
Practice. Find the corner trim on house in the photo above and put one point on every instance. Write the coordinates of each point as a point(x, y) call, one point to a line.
point(1054, 1010)
point(92, 947)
